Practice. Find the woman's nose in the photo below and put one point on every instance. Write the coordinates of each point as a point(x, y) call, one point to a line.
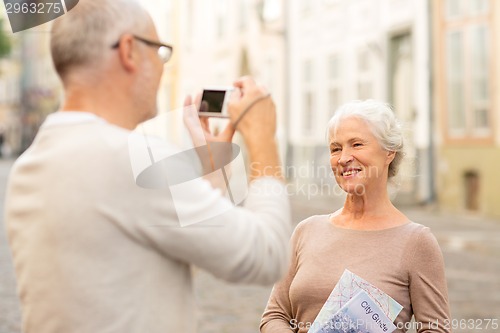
point(345, 157)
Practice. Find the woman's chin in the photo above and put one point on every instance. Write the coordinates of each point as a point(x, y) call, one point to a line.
point(354, 189)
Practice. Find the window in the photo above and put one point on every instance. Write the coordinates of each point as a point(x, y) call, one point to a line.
point(468, 68)
point(333, 67)
point(270, 75)
point(456, 9)
point(308, 98)
point(3, 92)
point(271, 10)
point(222, 17)
point(365, 89)
point(479, 6)
point(479, 36)
point(334, 85)
point(243, 21)
point(456, 84)
point(308, 112)
point(330, 2)
point(306, 6)
point(190, 22)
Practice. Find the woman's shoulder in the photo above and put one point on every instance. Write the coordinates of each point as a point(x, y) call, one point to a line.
point(314, 221)
point(419, 231)
point(422, 242)
point(310, 225)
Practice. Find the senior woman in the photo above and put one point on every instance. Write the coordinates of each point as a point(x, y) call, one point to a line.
point(368, 235)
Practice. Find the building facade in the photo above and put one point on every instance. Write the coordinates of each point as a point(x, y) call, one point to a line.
point(466, 103)
point(29, 87)
point(10, 97)
point(314, 56)
point(432, 60)
point(221, 40)
point(41, 89)
point(360, 49)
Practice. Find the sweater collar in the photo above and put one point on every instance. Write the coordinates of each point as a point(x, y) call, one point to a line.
point(70, 117)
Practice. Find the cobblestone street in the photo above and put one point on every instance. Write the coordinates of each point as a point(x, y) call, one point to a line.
point(471, 247)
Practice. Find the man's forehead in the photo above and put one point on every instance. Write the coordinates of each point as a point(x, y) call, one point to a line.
point(152, 26)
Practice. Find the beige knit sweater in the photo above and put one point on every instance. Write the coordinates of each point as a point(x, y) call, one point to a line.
point(93, 252)
point(405, 262)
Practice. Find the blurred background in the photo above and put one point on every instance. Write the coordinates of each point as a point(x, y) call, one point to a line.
point(432, 60)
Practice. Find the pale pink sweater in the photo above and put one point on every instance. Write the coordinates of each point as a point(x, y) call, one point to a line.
point(404, 262)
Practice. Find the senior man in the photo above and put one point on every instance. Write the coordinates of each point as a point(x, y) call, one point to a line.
point(88, 253)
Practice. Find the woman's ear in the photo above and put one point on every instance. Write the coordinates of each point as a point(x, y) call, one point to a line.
point(390, 156)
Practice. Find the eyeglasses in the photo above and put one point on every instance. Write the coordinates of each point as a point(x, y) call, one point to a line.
point(164, 51)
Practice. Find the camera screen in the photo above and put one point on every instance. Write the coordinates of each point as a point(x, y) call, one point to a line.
point(212, 101)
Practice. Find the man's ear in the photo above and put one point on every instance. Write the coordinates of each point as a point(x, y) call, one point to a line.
point(127, 53)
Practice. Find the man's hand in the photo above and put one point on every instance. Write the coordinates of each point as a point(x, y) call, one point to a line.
point(252, 111)
point(214, 150)
point(253, 114)
point(202, 135)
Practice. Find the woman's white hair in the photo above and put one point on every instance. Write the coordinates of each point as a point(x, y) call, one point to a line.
point(382, 122)
point(85, 34)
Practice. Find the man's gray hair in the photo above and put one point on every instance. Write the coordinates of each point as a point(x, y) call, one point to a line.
point(84, 35)
point(382, 121)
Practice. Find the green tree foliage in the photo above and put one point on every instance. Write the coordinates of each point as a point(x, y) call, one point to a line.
point(5, 44)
